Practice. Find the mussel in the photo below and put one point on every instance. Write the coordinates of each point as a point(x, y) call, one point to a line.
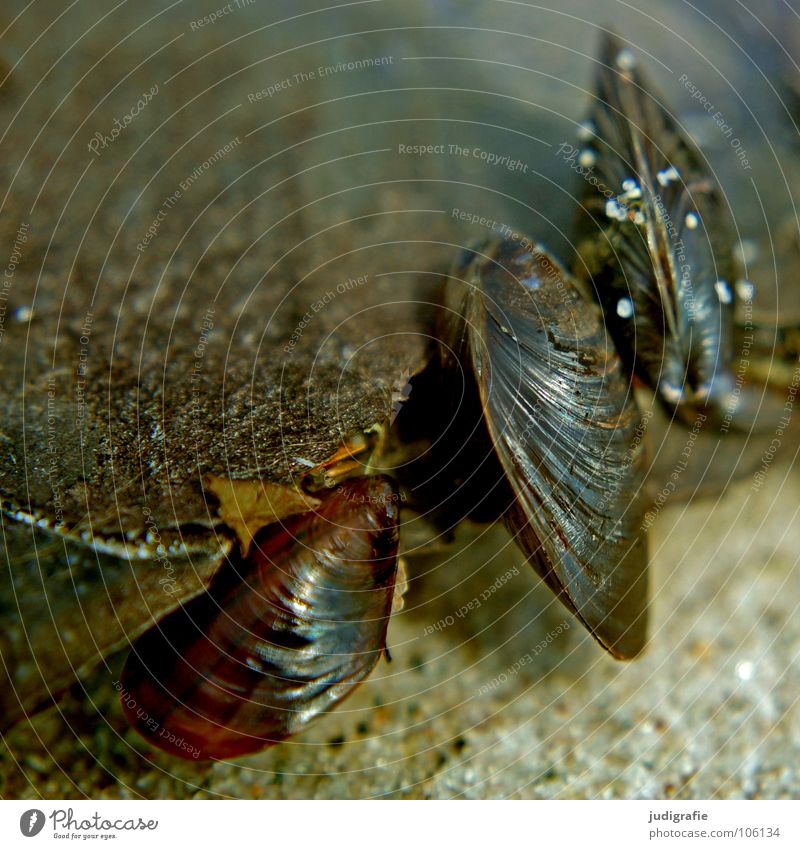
point(280, 637)
point(561, 417)
point(657, 245)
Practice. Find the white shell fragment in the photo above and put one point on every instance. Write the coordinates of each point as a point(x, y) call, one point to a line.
point(666, 176)
point(625, 60)
point(723, 291)
point(624, 307)
point(745, 290)
point(692, 220)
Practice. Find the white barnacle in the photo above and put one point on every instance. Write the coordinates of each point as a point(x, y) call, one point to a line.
point(692, 220)
point(631, 189)
point(586, 131)
point(672, 393)
point(667, 175)
point(746, 251)
point(723, 291)
point(745, 290)
point(624, 307)
point(614, 210)
point(587, 159)
point(625, 59)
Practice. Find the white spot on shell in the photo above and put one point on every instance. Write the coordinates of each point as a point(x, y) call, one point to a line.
point(586, 131)
point(692, 220)
point(631, 189)
point(625, 60)
point(587, 159)
point(745, 290)
point(614, 210)
point(672, 393)
point(666, 176)
point(746, 251)
point(624, 307)
point(745, 670)
point(723, 292)
point(23, 314)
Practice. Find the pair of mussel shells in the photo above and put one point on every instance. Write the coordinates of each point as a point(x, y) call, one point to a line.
point(289, 630)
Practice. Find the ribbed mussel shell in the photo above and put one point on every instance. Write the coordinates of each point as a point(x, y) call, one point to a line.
point(563, 421)
point(279, 638)
point(658, 249)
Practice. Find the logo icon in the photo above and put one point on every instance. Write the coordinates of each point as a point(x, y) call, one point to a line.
point(31, 822)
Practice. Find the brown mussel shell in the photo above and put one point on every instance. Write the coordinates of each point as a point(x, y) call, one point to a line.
point(279, 638)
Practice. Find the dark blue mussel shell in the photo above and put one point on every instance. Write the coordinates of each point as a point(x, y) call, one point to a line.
point(656, 246)
point(560, 413)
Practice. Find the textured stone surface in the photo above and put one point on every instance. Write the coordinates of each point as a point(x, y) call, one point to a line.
point(711, 709)
point(316, 192)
